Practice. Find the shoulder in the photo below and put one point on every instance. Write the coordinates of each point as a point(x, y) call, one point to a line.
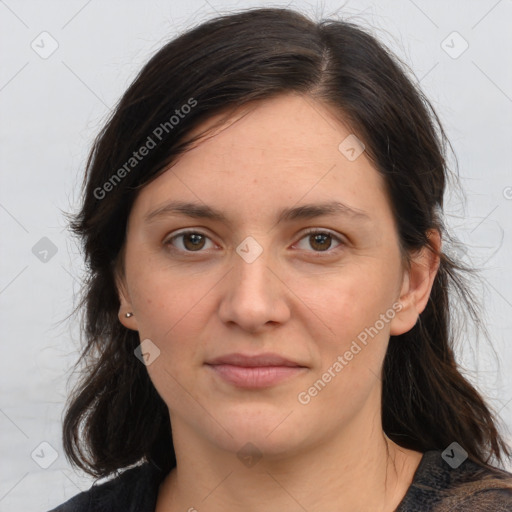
point(438, 487)
point(134, 489)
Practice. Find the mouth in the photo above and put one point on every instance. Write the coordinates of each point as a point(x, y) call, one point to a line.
point(254, 371)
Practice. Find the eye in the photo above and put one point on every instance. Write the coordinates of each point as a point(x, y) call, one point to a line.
point(192, 241)
point(195, 241)
point(320, 240)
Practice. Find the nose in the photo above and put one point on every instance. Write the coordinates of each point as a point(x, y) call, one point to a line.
point(255, 296)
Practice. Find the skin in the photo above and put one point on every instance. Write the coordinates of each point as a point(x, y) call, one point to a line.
point(303, 303)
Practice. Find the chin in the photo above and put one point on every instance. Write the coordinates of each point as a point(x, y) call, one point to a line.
point(271, 434)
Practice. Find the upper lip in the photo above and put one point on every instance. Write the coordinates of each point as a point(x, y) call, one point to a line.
point(267, 359)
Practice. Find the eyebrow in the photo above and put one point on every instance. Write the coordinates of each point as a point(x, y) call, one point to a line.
point(307, 211)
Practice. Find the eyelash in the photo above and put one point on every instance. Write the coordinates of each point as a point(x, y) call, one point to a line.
point(310, 231)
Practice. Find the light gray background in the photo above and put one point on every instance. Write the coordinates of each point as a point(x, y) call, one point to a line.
point(51, 109)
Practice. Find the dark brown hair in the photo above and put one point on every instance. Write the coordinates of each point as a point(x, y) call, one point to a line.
point(115, 418)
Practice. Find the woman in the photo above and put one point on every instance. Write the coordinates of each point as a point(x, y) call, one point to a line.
point(262, 220)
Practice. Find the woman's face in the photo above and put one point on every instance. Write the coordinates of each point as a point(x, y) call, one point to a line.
point(257, 282)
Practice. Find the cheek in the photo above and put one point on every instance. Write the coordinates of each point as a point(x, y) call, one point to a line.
point(351, 341)
point(351, 327)
point(349, 300)
point(160, 297)
point(172, 316)
point(168, 309)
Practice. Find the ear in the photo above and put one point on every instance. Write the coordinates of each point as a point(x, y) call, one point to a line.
point(417, 284)
point(126, 304)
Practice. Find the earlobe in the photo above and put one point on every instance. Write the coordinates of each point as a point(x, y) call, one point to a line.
point(125, 314)
point(417, 284)
point(127, 318)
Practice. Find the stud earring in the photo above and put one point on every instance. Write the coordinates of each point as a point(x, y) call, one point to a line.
point(128, 315)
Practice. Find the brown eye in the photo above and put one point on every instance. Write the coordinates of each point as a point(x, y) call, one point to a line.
point(191, 241)
point(321, 241)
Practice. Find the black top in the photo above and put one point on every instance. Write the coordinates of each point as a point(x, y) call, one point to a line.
point(436, 487)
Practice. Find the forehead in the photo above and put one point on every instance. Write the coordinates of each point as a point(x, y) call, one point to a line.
point(279, 127)
point(276, 152)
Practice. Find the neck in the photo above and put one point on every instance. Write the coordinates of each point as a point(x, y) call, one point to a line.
point(355, 470)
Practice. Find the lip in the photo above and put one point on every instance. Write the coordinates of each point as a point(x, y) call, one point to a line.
point(256, 371)
point(247, 360)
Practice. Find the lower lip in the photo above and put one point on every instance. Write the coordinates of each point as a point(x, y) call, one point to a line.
point(255, 377)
